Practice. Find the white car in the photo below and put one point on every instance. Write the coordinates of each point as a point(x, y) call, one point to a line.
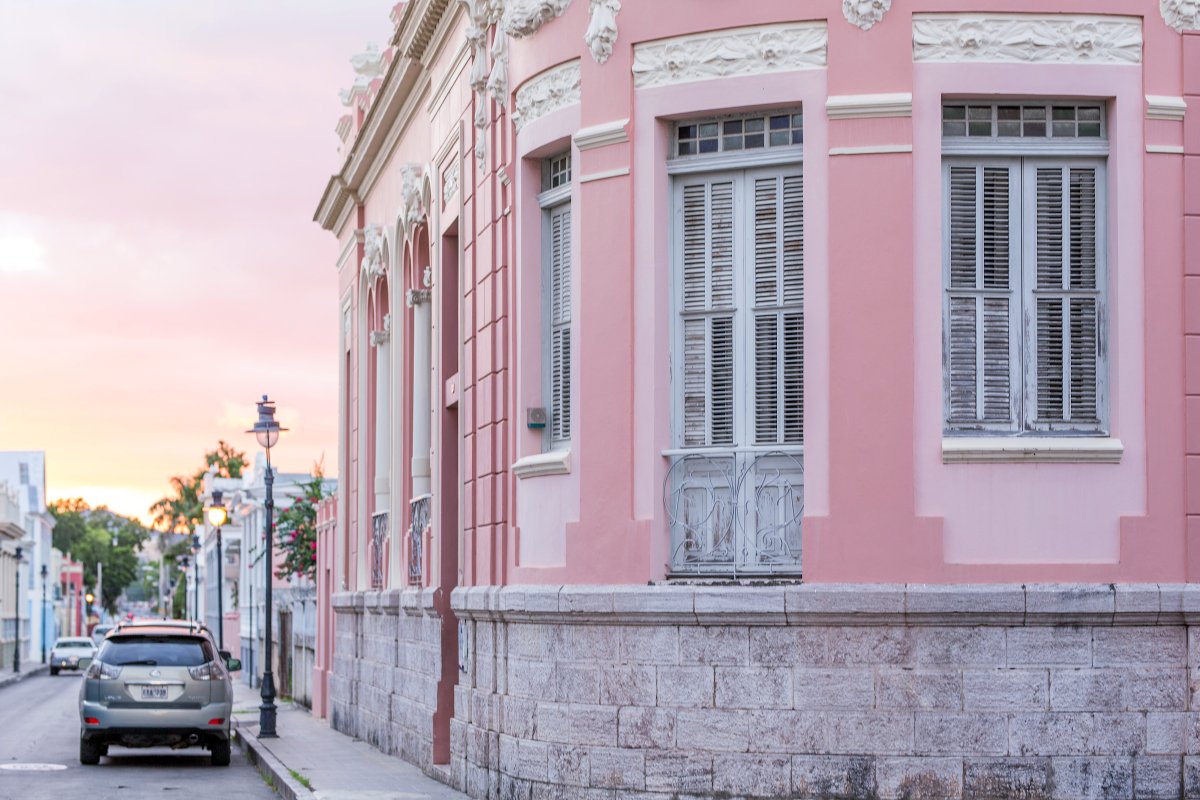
point(71, 652)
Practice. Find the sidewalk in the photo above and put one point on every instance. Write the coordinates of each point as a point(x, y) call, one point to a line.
point(7, 676)
point(336, 767)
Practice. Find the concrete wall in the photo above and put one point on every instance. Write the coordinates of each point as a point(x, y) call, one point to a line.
point(884, 691)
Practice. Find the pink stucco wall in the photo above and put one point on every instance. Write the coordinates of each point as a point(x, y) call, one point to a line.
point(880, 504)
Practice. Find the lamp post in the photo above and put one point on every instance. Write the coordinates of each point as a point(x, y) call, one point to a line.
point(218, 516)
point(17, 611)
point(267, 431)
point(185, 562)
point(45, 573)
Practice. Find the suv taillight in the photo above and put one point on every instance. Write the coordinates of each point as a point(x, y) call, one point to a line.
point(101, 671)
point(206, 672)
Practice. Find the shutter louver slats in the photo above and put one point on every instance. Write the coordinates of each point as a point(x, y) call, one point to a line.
point(962, 360)
point(1049, 228)
point(997, 368)
point(721, 388)
point(560, 324)
point(1083, 229)
point(1083, 373)
point(721, 222)
point(695, 247)
point(963, 227)
point(793, 240)
point(695, 382)
point(995, 256)
point(1049, 359)
point(766, 378)
point(766, 243)
point(793, 378)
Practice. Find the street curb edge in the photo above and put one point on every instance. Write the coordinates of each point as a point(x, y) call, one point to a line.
point(268, 764)
point(20, 676)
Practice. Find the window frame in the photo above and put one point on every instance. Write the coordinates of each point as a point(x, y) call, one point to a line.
point(552, 201)
point(1023, 156)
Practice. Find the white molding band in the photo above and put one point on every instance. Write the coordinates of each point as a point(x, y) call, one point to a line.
point(599, 176)
point(1168, 149)
point(870, 150)
point(602, 135)
point(556, 462)
point(1027, 38)
point(1042, 449)
point(757, 50)
point(557, 87)
point(1165, 107)
point(869, 106)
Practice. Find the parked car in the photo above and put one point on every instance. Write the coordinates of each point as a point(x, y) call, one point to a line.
point(153, 685)
point(71, 652)
point(99, 632)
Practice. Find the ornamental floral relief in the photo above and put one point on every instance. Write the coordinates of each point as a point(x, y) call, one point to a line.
point(1180, 14)
point(524, 17)
point(554, 89)
point(414, 198)
point(865, 13)
point(372, 260)
point(739, 51)
point(601, 32)
point(1059, 38)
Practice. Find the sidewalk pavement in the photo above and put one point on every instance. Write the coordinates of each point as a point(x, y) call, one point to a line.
point(7, 676)
point(335, 766)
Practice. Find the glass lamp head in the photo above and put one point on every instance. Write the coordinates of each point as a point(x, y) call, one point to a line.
point(266, 429)
point(217, 514)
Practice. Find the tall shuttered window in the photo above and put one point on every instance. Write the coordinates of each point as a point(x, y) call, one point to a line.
point(1024, 252)
point(735, 492)
point(555, 201)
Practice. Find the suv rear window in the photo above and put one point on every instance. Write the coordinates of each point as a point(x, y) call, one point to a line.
point(162, 651)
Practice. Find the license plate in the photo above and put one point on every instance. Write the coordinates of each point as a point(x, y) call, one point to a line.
point(154, 693)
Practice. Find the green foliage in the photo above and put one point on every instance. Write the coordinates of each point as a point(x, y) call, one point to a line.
point(183, 510)
point(94, 536)
point(296, 530)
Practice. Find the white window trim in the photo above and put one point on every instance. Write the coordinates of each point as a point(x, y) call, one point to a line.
point(739, 160)
point(550, 201)
point(554, 462)
point(1036, 449)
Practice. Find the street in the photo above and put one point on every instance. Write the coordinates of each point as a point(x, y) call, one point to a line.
point(39, 725)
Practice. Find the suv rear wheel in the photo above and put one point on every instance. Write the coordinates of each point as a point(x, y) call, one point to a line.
point(90, 751)
point(220, 752)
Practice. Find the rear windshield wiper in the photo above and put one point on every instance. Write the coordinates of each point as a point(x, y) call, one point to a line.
point(145, 662)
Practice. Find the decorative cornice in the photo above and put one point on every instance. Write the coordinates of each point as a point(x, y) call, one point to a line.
point(416, 297)
point(1180, 14)
point(553, 89)
point(384, 334)
point(865, 13)
point(867, 106)
point(1027, 38)
point(525, 17)
point(1042, 449)
point(602, 135)
point(737, 51)
point(601, 32)
point(1165, 107)
point(414, 198)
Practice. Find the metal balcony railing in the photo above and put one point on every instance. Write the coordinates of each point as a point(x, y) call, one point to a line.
point(419, 509)
point(735, 513)
point(379, 535)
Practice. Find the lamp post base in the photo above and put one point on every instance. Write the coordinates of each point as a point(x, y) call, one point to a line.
point(266, 712)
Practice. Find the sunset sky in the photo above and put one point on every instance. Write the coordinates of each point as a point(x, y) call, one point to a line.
point(159, 268)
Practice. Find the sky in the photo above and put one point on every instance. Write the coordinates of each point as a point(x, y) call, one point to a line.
point(160, 163)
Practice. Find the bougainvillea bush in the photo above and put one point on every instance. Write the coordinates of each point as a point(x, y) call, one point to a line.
point(296, 531)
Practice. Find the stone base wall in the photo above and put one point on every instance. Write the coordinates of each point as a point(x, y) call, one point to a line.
point(386, 664)
point(828, 692)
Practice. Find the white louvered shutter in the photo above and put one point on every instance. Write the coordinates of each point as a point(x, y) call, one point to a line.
point(707, 311)
point(560, 323)
point(777, 229)
point(980, 346)
point(1066, 296)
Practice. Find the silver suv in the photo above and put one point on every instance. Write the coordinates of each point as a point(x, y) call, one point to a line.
point(157, 685)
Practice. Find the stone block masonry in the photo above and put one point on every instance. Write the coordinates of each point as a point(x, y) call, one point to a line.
point(1065, 692)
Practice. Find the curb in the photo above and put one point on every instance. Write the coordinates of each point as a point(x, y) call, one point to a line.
point(257, 754)
point(20, 676)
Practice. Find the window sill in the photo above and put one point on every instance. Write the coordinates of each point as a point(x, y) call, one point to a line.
point(556, 462)
point(1037, 449)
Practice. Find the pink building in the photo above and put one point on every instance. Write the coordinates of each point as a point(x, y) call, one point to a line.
point(650, 309)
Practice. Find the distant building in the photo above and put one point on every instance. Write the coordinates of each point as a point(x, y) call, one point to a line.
point(24, 472)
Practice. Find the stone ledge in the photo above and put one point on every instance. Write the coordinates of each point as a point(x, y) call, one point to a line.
point(835, 604)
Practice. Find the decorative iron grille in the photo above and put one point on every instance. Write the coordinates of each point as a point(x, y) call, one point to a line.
point(379, 534)
point(418, 522)
point(735, 513)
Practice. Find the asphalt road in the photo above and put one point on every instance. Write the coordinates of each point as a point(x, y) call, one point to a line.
point(39, 724)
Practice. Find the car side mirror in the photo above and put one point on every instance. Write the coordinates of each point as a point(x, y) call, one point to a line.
point(225, 654)
point(233, 664)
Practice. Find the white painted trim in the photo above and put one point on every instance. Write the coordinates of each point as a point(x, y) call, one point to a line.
point(1027, 38)
point(1043, 449)
point(873, 149)
point(767, 157)
point(552, 197)
point(1007, 147)
point(868, 106)
point(1169, 149)
point(599, 176)
point(556, 462)
point(601, 135)
point(1165, 107)
point(757, 50)
point(450, 78)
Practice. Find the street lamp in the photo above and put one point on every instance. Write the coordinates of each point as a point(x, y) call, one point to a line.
point(218, 516)
point(45, 573)
point(17, 607)
point(267, 431)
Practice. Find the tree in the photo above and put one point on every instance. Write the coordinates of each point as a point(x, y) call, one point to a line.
point(95, 536)
point(297, 529)
point(183, 510)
